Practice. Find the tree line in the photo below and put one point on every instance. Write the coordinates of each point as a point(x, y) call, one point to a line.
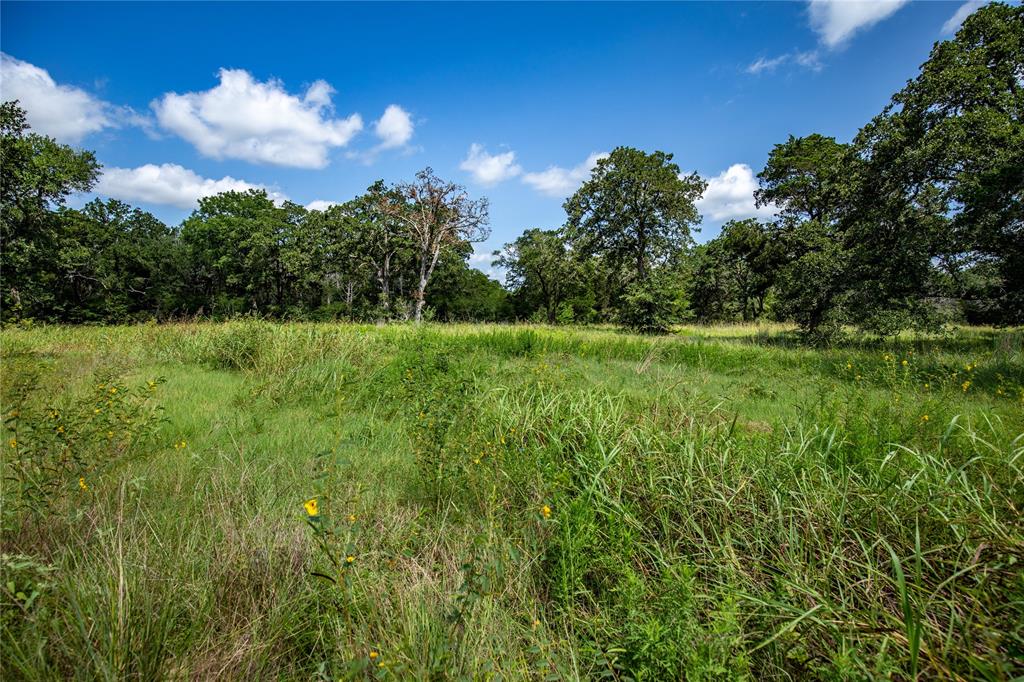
point(916, 221)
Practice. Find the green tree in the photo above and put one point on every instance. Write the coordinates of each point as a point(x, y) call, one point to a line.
point(951, 144)
point(809, 180)
point(636, 210)
point(36, 176)
point(538, 266)
point(239, 243)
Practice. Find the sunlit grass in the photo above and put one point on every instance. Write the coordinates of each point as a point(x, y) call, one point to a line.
point(535, 502)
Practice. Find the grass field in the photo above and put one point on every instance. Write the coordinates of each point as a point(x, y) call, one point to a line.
point(509, 503)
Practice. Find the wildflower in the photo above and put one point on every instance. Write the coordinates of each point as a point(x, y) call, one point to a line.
point(97, 411)
point(373, 655)
point(927, 385)
point(13, 443)
point(110, 434)
point(966, 385)
point(924, 417)
point(351, 518)
point(60, 429)
point(849, 365)
point(349, 559)
point(503, 440)
point(113, 390)
point(545, 511)
point(858, 377)
point(476, 460)
point(536, 623)
point(311, 507)
point(81, 483)
point(151, 384)
point(904, 363)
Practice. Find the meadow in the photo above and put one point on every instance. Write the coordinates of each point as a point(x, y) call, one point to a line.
point(328, 501)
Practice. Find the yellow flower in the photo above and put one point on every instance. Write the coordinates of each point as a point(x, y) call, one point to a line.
point(904, 363)
point(81, 483)
point(373, 655)
point(545, 511)
point(97, 411)
point(476, 460)
point(849, 365)
point(966, 385)
point(924, 417)
point(13, 443)
point(110, 434)
point(858, 377)
point(60, 429)
point(113, 391)
point(349, 559)
point(503, 440)
point(536, 623)
point(351, 518)
point(311, 507)
point(927, 385)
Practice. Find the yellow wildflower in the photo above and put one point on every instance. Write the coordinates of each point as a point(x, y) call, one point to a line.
point(97, 411)
point(81, 483)
point(904, 363)
point(351, 518)
point(966, 385)
point(545, 511)
point(349, 559)
point(924, 417)
point(113, 390)
point(373, 655)
point(110, 434)
point(13, 443)
point(311, 507)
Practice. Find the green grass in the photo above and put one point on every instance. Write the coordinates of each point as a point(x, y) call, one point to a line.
point(723, 504)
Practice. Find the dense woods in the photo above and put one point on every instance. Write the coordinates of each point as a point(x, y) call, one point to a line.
point(916, 221)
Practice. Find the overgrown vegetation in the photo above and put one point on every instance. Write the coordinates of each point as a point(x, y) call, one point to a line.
point(354, 502)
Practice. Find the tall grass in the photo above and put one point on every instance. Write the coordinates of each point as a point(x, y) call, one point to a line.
point(516, 502)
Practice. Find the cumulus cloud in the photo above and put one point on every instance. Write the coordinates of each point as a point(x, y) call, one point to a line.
point(394, 128)
point(490, 169)
point(730, 196)
point(965, 10)
point(168, 185)
point(835, 21)
point(261, 122)
point(320, 204)
point(561, 182)
point(61, 111)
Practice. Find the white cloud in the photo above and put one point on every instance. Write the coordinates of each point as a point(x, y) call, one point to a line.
point(769, 65)
point(242, 118)
point(167, 185)
point(483, 261)
point(965, 10)
point(320, 204)
point(60, 111)
point(835, 21)
point(490, 169)
point(808, 60)
point(730, 195)
point(561, 182)
point(394, 128)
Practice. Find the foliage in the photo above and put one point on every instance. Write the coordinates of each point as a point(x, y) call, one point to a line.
point(524, 502)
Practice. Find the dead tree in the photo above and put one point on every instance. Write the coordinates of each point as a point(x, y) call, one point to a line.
point(436, 214)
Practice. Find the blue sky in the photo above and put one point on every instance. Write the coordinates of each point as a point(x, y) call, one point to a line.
point(316, 101)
